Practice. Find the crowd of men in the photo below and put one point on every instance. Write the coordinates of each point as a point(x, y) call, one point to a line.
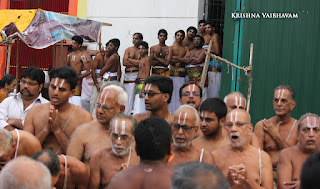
point(179, 136)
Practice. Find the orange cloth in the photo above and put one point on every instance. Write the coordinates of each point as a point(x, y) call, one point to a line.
point(3, 95)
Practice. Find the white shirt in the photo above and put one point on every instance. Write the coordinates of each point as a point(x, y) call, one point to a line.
point(12, 108)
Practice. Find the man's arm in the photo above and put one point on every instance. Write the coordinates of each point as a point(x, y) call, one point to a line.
point(125, 60)
point(215, 44)
point(273, 130)
point(254, 140)
point(208, 158)
point(76, 145)
point(199, 59)
point(267, 174)
point(16, 123)
point(164, 61)
point(95, 64)
point(81, 176)
point(94, 171)
point(285, 170)
point(4, 106)
point(113, 59)
point(258, 130)
point(186, 59)
point(87, 61)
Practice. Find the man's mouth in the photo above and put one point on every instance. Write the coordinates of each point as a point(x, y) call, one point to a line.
point(180, 140)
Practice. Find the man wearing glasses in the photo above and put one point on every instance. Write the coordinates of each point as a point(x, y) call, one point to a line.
point(94, 135)
point(243, 165)
point(105, 163)
point(184, 129)
point(157, 95)
point(191, 94)
point(292, 159)
point(13, 110)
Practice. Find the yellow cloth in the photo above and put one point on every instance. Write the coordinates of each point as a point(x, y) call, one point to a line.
point(22, 18)
point(3, 95)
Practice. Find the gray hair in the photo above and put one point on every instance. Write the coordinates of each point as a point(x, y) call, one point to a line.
point(304, 116)
point(196, 175)
point(124, 116)
point(6, 142)
point(122, 95)
point(186, 106)
point(234, 93)
point(288, 87)
point(25, 173)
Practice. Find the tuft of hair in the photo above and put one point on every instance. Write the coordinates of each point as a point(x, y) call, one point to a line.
point(50, 159)
point(186, 106)
point(310, 172)
point(6, 142)
point(139, 35)
point(304, 116)
point(234, 93)
point(6, 79)
point(115, 42)
point(163, 31)
point(192, 28)
point(187, 84)
point(144, 44)
point(67, 73)
point(124, 116)
point(164, 84)
point(196, 175)
point(153, 138)
point(34, 73)
point(78, 39)
point(122, 95)
point(215, 105)
point(288, 87)
point(180, 31)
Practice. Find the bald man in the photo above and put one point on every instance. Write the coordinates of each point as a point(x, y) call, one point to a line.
point(184, 129)
point(105, 163)
point(292, 159)
point(243, 165)
point(16, 143)
point(94, 135)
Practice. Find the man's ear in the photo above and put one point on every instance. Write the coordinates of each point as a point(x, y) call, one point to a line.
point(166, 97)
point(251, 128)
point(122, 108)
point(40, 87)
point(180, 101)
point(73, 91)
point(293, 104)
point(222, 121)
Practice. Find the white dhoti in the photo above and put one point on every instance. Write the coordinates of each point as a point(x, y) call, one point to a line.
point(76, 100)
point(95, 92)
point(139, 106)
point(86, 92)
point(214, 82)
point(130, 86)
point(177, 83)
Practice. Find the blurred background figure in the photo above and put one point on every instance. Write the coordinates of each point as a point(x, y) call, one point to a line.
point(7, 84)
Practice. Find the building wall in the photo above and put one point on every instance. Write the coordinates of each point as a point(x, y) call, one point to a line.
point(144, 16)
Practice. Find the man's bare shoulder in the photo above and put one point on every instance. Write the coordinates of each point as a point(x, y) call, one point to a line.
point(289, 151)
point(82, 113)
point(100, 154)
point(220, 151)
point(85, 128)
point(141, 116)
point(40, 108)
point(198, 141)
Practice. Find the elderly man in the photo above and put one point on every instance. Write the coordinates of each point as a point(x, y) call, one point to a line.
point(280, 131)
point(190, 93)
point(105, 163)
point(153, 140)
point(184, 129)
point(53, 123)
point(25, 173)
point(16, 143)
point(243, 165)
point(13, 110)
point(291, 159)
point(213, 113)
point(157, 95)
point(94, 135)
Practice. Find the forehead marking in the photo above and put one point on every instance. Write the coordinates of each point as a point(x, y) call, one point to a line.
point(206, 115)
point(236, 99)
point(231, 117)
point(62, 82)
point(116, 126)
point(123, 128)
point(105, 97)
point(193, 87)
point(179, 118)
point(240, 100)
point(189, 88)
point(185, 116)
point(202, 113)
point(56, 82)
point(236, 117)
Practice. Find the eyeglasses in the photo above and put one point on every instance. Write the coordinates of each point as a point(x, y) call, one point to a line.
point(124, 138)
point(284, 101)
point(150, 94)
point(238, 124)
point(189, 93)
point(141, 48)
point(104, 108)
point(307, 130)
point(185, 128)
point(30, 84)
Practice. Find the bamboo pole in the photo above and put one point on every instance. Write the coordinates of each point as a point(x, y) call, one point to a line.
point(206, 65)
point(61, 53)
point(9, 57)
point(17, 62)
point(250, 78)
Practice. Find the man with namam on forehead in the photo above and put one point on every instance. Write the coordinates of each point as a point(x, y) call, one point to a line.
point(53, 123)
point(94, 135)
point(243, 165)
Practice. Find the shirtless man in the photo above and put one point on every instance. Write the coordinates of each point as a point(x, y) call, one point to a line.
point(144, 72)
point(16, 143)
point(157, 95)
point(190, 93)
point(105, 163)
point(160, 55)
point(291, 159)
point(81, 62)
point(280, 131)
point(94, 135)
point(243, 165)
point(177, 70)
point(194, 61)
point(53, 123)
point(236, 100)
point(202, 28)
point(188, 40)
point(153, 140)
point(184, 129)
point(131, 62)
point(213, 113)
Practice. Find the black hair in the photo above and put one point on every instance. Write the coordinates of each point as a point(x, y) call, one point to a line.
point(52, 162)
point(153, 139)
point(201, 21)
point(163, 31)
point(67, 73)
point(180, 31)
point(211, 24)
point(215, 105)
point(288, 87)
point(6, 79)
point(189, 83)
point(144, 44)
point(192, 28)
point(34, 73)
point(201, 38)
point(115, 42)
point(164, 84)
point(78, 39)
point(139, 35)
point(310, 172)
